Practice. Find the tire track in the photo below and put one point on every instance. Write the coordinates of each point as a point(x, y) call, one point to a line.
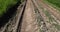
point(41, 17)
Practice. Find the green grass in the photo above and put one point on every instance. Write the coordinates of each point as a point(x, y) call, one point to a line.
point(5, 4)
point(54, 2)
point(53, 5)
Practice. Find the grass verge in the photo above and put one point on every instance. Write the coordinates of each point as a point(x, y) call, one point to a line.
point(54, 2)
point(5, 4)
point(54, 6)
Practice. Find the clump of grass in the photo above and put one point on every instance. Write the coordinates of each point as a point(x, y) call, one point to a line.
point(5, 4)
point(57, 26)
point(48, 15)
point(51, 19)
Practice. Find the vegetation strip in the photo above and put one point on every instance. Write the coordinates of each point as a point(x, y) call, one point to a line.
point(52, 5)
point(54, 2)
point(13, 20)
point(6, 4)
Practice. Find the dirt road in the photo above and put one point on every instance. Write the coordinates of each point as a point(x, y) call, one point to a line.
point(34, 18)
point(30, 17)
point(29, 23)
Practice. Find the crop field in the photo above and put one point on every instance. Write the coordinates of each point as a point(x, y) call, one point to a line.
point(55, 2)
point(5, 4)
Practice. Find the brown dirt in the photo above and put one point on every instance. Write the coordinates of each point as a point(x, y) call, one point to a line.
point(29, 23)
